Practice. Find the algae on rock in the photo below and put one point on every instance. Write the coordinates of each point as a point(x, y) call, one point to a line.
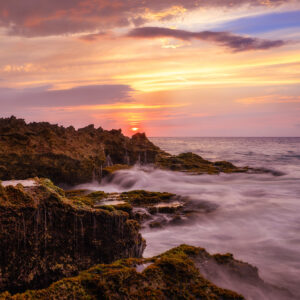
point(193, 163)
point(172, 275)
point(45, 236)
point(66, 155)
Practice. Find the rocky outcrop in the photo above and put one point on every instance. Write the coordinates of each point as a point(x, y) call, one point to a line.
point(172, 275)
point(70, 156)
point(184, 272)
point(193, 163)
point(66, 155)
point(227, 272)
point(45, 236)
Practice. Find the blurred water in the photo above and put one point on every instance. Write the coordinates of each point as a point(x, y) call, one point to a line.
point(257, 215)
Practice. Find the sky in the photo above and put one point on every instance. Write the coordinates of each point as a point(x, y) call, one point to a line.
point(167, 68)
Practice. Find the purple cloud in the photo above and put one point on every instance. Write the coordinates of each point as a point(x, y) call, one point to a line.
point(236, 43)
point(55, 17)
point(82, 95)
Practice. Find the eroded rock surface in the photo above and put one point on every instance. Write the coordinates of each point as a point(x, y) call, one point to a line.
point(45, 236)
point(66, 155)
point(172, 275)
point(184, 272)
point(193, 163)
point(70, 156)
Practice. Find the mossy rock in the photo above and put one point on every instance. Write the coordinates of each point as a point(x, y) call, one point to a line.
point(50, 185)
point(76, 193)
point(193, 163)
point(144, 198)
point(114, 168)
point(124, 207)
point(97, 196)
point(172, 275)
point(106, 207)
point(84, 198)
point(66, 155)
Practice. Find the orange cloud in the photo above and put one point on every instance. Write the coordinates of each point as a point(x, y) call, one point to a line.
point(269, 99)
point(118, 106)
point(57, 17)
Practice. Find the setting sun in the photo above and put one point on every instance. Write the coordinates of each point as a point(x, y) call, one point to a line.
point(134, 129)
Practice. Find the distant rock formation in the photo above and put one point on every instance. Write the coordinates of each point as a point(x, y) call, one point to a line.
point(193, 163)
point(69, 156)
point(66, 155)
point(45, 236)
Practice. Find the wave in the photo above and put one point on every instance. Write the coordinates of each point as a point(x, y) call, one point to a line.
point(253, 216)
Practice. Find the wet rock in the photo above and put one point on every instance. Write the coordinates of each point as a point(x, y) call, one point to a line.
point(146, 198)
point(45, 235)
point(66, 155)
point(114, 168)
point(172, 275)
point(193, 163)
point(69, 156)
point(226, 272)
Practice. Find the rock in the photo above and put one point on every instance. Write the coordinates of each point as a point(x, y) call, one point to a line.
point(45, 236)
point(146, 198)
point(172, 275)
point(66, 155)
point(193, 163)
point(69, 156)
point(226, 272)
point(114, 168)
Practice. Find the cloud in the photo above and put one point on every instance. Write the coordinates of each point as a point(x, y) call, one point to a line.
point(236, 43)
point(93, 36)
point(55, 17)
point(270, 99)
point(78, 96)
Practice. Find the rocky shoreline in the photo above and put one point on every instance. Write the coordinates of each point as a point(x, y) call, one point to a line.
point(48, 235)
point(45, 236)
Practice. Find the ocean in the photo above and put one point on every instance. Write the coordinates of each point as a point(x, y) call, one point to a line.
point(256, 217)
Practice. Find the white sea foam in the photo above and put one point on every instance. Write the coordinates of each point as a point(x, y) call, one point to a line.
point(25, 183)
point(254, 216)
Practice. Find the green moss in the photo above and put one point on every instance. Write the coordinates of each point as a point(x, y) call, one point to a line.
point(106, 207)
point(81, 198)
point(223, 258)
point(114, 168)
point(97, 196)
point(141, 197)
point(191, 162)
point(75, 193)
point(124, 207)
point(172, 275)
point(50, 185)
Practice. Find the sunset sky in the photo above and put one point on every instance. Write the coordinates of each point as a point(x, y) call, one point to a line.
point(169, 68)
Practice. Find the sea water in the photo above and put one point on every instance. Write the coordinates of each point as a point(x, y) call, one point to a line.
point(254, 216)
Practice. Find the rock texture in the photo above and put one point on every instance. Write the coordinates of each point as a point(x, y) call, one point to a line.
point(45, 236)
point(193, 163)
point(70, 156)
point(172, 275)
point(66, 155)
point(184, 272)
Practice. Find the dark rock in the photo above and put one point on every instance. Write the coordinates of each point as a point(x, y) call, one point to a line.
point(193, 163)
point(66, 155)
point(172, 275)
point(45, 236)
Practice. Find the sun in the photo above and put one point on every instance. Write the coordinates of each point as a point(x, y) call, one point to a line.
point(134, 129)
